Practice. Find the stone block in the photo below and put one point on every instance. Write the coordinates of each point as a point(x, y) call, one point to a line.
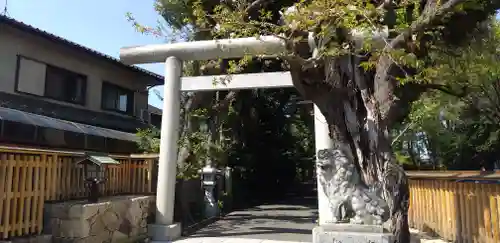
point(32, 239)
point(354, 228)
point(351, 233)
point(159, 232)
point(112, 219)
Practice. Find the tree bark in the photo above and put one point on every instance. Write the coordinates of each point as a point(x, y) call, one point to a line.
point(189, 123)
point(347, 98)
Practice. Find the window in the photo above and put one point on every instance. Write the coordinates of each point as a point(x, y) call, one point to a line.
point(64, 85)
point(40, 79)
point(30, 76)
point(116, 98)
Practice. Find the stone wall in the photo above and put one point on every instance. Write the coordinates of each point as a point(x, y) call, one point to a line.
point(30, 239)
point(113, 219)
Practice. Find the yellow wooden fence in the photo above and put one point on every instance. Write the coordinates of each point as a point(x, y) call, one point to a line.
point(439, 203)
point(30, 177)
point(459, 206)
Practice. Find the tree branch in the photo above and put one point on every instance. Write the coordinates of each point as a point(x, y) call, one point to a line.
point(401, 133)
point(423, 22)
point(446, 89)
point(223, 104)
point(255, 5)
point(386, 69)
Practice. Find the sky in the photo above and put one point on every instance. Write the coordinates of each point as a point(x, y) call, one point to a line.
point(98, 24)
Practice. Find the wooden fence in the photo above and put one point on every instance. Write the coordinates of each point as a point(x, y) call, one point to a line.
point(462, 206)
point(453, 205)
point(30, 177)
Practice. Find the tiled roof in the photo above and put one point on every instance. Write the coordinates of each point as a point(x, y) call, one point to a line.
point(35, 31)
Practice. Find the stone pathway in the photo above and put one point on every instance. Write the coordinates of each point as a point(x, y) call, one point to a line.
point(292, 221)
point(289, 222)
point(230, 240)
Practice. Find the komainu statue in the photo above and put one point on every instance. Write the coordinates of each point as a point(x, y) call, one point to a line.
point(351, 201)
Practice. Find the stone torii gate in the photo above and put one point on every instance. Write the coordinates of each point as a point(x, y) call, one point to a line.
point(164, 228)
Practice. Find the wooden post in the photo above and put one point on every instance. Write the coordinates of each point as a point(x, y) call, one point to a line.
point(8, 196)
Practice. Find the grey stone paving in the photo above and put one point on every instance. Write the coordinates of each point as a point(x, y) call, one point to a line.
point(290, 221)
point(229, 240)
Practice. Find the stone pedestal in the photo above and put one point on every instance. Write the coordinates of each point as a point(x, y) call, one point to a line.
point(351, 233)
point(112, 219)
point(164, 233)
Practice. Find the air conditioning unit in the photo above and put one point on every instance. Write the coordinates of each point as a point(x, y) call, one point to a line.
point(145, 116)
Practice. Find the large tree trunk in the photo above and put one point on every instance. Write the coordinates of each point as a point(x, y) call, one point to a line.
point(346, 97)
point(190, 124)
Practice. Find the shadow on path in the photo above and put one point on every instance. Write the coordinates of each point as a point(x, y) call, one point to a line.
point(290, 220)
